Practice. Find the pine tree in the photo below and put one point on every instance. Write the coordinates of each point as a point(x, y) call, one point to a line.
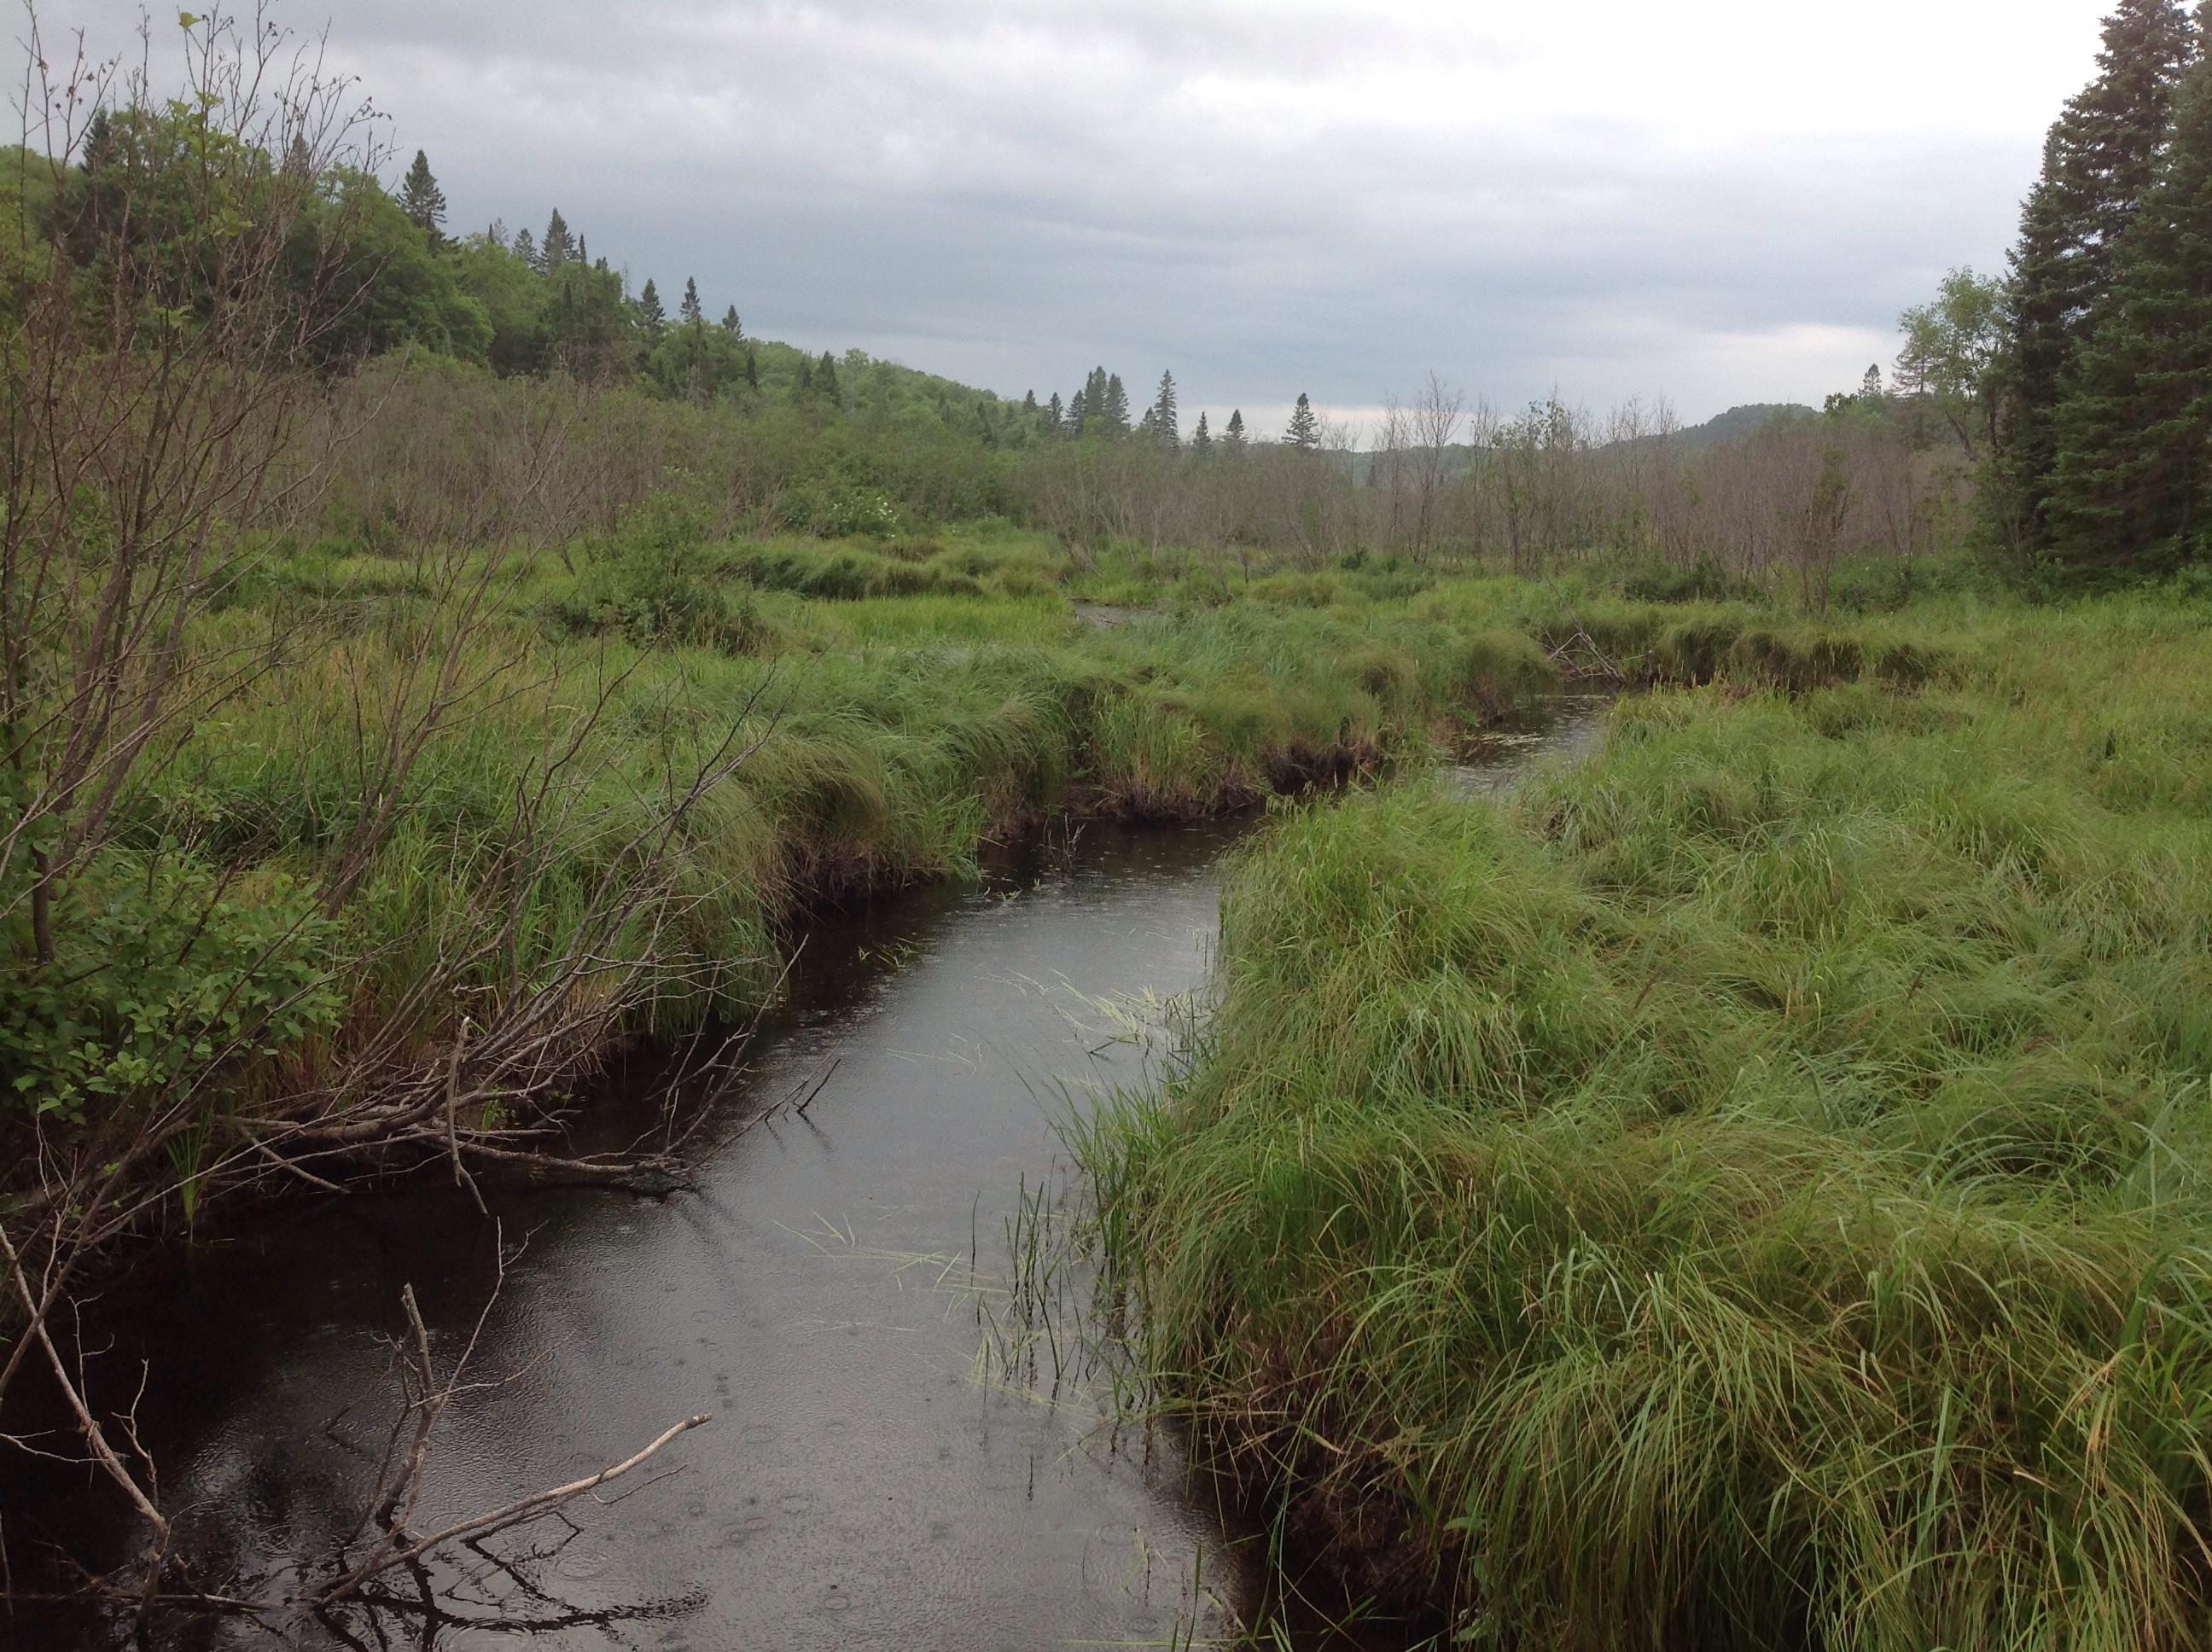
point(1055, 416)
point(650, 317)
point(526, 248)
point(1079, 411)
point(558, 246)
point(1201, 439)
point(584, 253)
point(1163, 416)
point(690, 310)
point(1304, 431)
point(1232, 437)
point(731, 324)
point(826, 377)
point(2132, 473)
point(1116, 417)
point(752, 366)
point(1030, 405)
point(2097, 163)
point(420, 199)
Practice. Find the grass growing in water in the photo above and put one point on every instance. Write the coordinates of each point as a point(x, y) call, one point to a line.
point(1750, 1189)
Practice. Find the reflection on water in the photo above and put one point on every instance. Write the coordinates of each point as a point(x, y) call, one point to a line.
point(867, 1481)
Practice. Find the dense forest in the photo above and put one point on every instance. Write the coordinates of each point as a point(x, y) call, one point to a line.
point(434, 669)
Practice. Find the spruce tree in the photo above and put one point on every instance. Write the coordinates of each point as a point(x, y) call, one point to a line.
point(826, 376)
point(1079, 411)
point(752, 366)
point(689, 309)
point(1165, 429)
point(526, 248)
point(2098, 161)
point(1055, 415)
point(1232, 437)
point(1116, 417)
point(650, 317)
point(1201, 439)
point(731, 324)
point(1030, 404)
point(1304, 431)
point(558, 246)
point(2131, 478)
point(420, 199)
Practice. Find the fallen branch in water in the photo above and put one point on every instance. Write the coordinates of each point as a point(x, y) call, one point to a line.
point(520, 1512)
point(392, 1501)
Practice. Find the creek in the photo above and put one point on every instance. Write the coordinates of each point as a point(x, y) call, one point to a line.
point(871, 1478)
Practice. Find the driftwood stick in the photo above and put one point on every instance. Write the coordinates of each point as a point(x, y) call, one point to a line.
point(517, 1513)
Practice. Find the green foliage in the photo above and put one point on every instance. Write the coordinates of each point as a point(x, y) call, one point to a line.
point(656, 581)
point(164, 977)
point(2131, 483)
point(2098, 165)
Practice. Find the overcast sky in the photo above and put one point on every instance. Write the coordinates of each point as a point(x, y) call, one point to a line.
point(1717, 201)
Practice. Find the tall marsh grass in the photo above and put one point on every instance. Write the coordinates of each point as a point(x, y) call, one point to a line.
point(1750, 1189)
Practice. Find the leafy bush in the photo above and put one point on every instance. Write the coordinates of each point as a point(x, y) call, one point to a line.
point(162, 975)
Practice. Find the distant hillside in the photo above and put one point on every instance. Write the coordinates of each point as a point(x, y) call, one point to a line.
point(1739, 422)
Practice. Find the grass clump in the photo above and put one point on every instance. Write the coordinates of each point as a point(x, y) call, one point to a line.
point(1750, 1190)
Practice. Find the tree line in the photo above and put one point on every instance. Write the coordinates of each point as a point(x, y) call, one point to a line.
point(2097, 382)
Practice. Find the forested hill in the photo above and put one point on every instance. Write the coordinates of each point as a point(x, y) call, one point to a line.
point(1739, 422)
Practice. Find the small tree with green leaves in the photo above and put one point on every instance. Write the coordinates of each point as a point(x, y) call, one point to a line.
point(1304, 431)
point(651, 319)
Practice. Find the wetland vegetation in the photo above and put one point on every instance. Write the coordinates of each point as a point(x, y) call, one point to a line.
point(1745, 1186)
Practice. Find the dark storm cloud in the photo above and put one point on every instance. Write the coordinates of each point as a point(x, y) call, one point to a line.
point(1273, 197)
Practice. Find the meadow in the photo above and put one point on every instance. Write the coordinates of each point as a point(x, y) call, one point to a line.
point(1747, 1189)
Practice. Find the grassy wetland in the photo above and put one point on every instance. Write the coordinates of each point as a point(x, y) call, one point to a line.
point(1747, 1187)
point(1744, 1185)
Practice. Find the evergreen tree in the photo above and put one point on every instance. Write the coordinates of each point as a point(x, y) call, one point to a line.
point(1079, 411)
point(1116, 416)
point(1163, 416)
point(1232, 436)
point(826, 376)
point(1055, 415)
point(692, 314)
point(752, 366)
point(2132, 473)
point(584, 254)
point(650, 317)
point(100, 147)
point(1030, 405)
point(731, 325)
point(526, 248)
point(2097, 163)
point(558, 246)
point(1201, 439)
point(1304, 430)
point(420, 198)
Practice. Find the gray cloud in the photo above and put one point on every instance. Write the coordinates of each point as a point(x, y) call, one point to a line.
point(1268, 197)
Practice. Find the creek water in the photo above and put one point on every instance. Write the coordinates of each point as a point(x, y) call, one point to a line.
point(870, 1478)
